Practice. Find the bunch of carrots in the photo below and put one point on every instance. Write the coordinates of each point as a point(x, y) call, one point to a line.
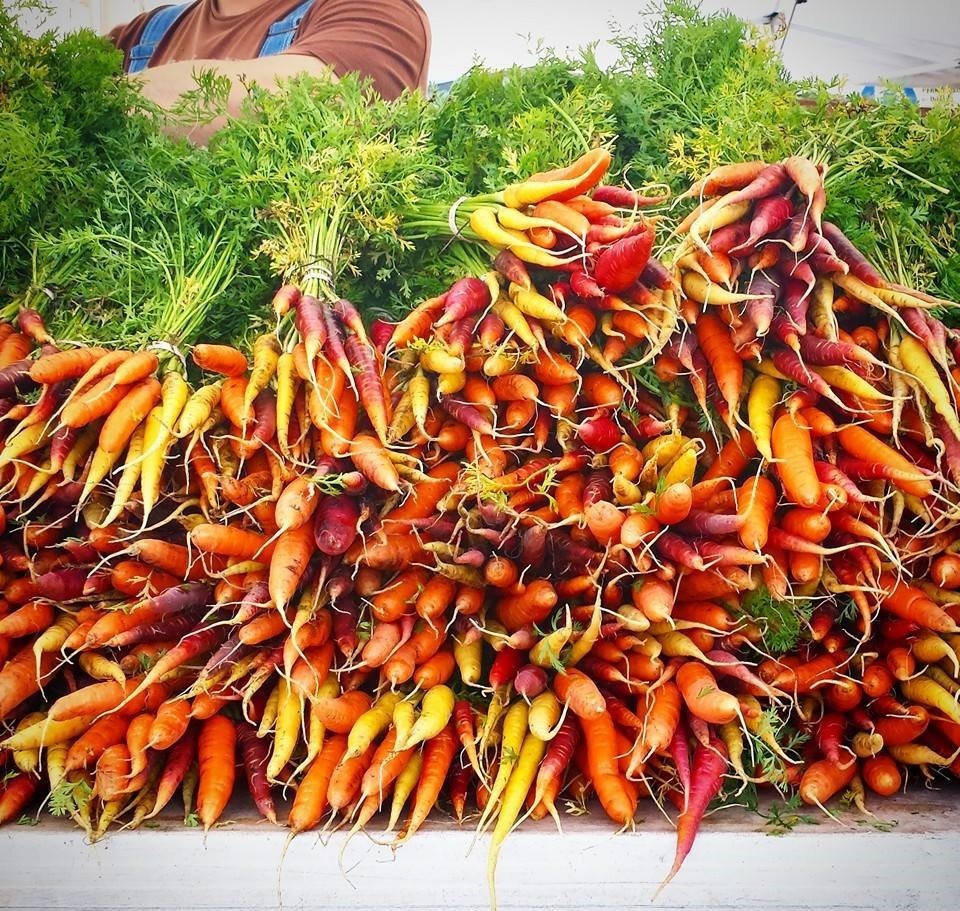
point(525, 546)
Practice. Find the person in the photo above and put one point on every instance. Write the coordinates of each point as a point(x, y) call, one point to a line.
point(263, 41)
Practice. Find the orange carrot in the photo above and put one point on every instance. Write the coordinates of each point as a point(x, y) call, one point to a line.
point(793, 451)
point(578, 691)
point(703, 696)
point(371, 459)
point(438, 755)
point(311, 797)
point(216, 755)
point(618, 802)
point(223, 359)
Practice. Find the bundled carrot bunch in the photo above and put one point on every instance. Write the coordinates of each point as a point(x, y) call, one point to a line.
point(582, 524)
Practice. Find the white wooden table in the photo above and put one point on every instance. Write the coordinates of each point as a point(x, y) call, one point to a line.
point(735, 864)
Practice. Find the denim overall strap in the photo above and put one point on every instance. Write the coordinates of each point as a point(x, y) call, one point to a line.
point(154, 32)
point(280, 35)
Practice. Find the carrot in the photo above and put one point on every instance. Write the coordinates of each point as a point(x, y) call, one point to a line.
point(674, 504)
point(703, 696)
point(521, 780)
point(266, 354)
point(311, 797)
point(216, 755)
point(15, 794)
point(369, 456)
point(615, 797)
point(533, 605)
point(339, 714)
point(882, 775)
point(291, 554)
point(231, 541)
point(169, 724)
point(580, 693)
point(863, 445)
point(22, 675)
point(129, 412)
point(823, 779)
point(223, 359)
point(90, 746)
point(911, 604)
point(438, 755)
point(733, 457)
point(793, 450)
point(706, 779)
point(33, 617)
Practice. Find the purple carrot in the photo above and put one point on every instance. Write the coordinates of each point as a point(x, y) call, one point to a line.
point(380, 334)
point(731, 666)
point(16, 377)
point(346, 617)
point(830, 474)
point(530, 681)
point(585, 286)
point(700, 522)
point(858, 263)
point(790, 365)
point(802, 271)
point(466, 297)
point(599, 486)
point(461, 334)
point(98, 583)
point(761, 309)
point(770, 214)
point(350, 318)
point(311, 325)
point(826, 353)
point(656, 275)
point(61, 584)
point(768, 181)
point(512, 268)
point(335, 524)
point(255, 755)
point(796, 302)
point(363, 360)
point(533, 545)
point(624, 198)
point(679, 551)
point(333, 346)
point(254, 600)
point(173, 626)
point(951, 448)
point(566, 552)
point(784, 329)
point(467, 414)
point(264, 426)
point(730, 237)
point(796, 232)
point(231, 651)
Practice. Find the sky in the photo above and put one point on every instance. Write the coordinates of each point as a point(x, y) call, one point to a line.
point(916, 42)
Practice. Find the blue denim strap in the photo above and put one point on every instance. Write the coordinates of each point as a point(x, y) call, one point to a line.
point(154, 32)
point(280, 35)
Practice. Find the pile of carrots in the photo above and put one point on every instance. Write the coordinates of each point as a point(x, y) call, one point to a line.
point(522, 547)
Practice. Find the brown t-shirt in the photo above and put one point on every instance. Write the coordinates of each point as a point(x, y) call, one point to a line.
point(386, 40)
